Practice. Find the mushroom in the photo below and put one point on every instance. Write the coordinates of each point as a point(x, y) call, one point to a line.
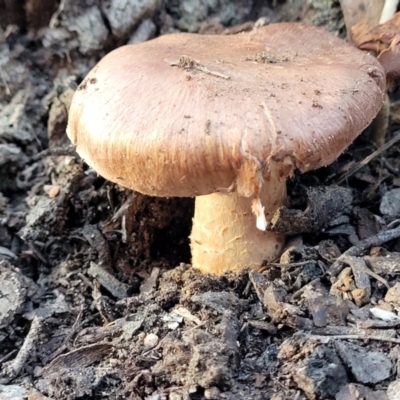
point(225, 119)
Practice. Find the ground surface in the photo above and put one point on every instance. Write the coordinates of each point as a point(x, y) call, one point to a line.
point(97, 297)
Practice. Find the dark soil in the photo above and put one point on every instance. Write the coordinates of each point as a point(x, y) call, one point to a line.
point(97, 296)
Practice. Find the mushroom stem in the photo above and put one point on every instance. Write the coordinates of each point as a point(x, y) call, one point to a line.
point(224, 234)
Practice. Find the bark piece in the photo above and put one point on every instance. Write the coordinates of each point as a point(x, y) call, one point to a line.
point(324, 204)
point(387, 265)
point(328, 310)
point(367, 366)
point(109, 281)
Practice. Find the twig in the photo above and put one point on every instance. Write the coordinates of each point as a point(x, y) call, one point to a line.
point(295, 264)
point(7, 356)
point(54, 17)
point(355, 337)
point(63, 346)
point(204, 69)
point(360, 264)
point(302, 289)
point(3, 78)
point(377, 240)
point(367, 159)
point(110, 282)
point(12, 368)
point(186, 62)
point(57, 151)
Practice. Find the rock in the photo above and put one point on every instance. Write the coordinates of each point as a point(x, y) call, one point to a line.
point(390, 203)
point(124, 15)
point(274, 297)
point(12, 392)
point(393, 294)
point(15, 125)
point(268, 359)
point(145, 31)
point(58, 102)
point(328, 310)
point(354, 391)
point(393, 391)
point(194, 12)
point(80, 28)
point(367, 366)
point(212, 393)
point(12, 294)
point(150, 341)
point(321, 374)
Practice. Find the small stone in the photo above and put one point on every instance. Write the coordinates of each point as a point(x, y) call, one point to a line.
point(328, 310)
point(175, 396)
point(155, 396)
point(320, 374)
point(367, 366)
point(212, 393)
point(360, 296)
point(393, 391)
point(12, 392)
point(12, 294)
point(274, 296)
point(393, 294)
point(51, 190)
point(145, 31)
point(390, 204)
point(150, 341)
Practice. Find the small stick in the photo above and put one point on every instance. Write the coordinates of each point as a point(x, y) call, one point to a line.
point(204, 69)
point(302, 289)
point(57, 151)
point(356, 337)
point(54, 18)
point(377, 240)
point(295, 264)
point(362, 266)
point(7, 356)
point(367, 159)
point(3, 78)
point(186, 62)
point(12, 368)
point(63, 346)
point(110, 282)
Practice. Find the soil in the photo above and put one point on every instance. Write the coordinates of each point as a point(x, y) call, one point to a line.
point(97, 296)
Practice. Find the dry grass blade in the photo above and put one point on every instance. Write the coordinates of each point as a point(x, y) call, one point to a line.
point(367, 159)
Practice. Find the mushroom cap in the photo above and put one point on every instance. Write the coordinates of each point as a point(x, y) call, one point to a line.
point(188, 115)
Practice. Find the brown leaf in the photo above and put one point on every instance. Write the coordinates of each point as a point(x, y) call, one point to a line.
point(384, 40)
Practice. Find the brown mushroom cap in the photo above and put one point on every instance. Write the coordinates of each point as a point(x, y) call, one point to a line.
point(152, 120)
